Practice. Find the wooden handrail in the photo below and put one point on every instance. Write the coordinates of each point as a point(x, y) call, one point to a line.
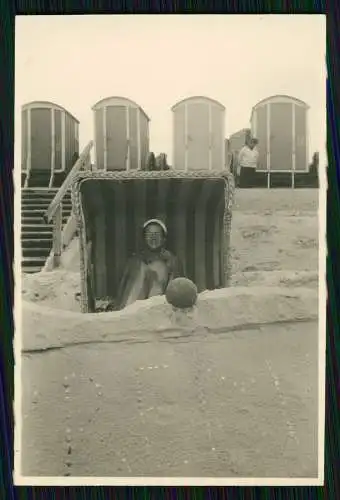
point(57, 200)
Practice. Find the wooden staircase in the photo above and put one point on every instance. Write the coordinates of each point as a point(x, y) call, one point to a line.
point(47, 222)
point(36, 234)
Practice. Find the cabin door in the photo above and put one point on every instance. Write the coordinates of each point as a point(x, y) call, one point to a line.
point(41, 139)
point(281, 140)
point(198, 135)
point(116, 137)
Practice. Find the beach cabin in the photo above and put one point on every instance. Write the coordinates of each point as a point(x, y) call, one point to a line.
point(227, 154)
point(280, 123)
point(198, 134)
point(49, 143)
point(121, 131)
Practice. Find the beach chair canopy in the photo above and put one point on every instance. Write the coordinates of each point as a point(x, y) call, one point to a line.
point(112, 207)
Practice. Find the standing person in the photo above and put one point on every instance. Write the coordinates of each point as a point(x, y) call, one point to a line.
point(247, 163)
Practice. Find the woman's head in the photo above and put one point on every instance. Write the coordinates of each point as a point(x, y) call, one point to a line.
point(253, 142)
point(155, 233)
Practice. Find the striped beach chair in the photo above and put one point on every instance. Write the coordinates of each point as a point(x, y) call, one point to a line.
point(112, 206)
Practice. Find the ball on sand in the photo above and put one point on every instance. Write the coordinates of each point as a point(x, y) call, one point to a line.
point(181, 293)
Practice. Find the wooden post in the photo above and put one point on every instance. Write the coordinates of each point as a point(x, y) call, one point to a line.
point(139, 165)
point(174, 148)
point(127, 159)
point(268, 145)
point(307, 138)
point(57, 236)
point(63, 141)
point(186, 146)
point(26, 179)
point(52, 148)
point(293, 145)
point(29, 150)
point(105, 137)
point(210, 136)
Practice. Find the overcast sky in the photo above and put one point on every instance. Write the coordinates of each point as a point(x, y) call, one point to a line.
point(156, 60)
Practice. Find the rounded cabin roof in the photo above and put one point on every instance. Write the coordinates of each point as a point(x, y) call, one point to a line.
point(47, 104)
point(281, 98)
point(199, 99)
point(118, 101)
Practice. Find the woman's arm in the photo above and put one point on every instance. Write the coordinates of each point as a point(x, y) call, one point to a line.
point(128, 274)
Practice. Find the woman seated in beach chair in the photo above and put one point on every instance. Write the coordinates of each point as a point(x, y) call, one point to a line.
point(148, 272)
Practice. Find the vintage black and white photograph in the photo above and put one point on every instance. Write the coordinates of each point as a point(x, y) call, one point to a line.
point(170, 200)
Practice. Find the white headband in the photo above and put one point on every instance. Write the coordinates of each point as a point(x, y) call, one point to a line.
point(158, 222)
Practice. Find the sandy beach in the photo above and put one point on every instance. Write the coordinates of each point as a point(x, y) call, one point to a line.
point(230, 391)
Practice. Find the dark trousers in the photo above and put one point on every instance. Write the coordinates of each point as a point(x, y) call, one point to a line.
point(247, 177)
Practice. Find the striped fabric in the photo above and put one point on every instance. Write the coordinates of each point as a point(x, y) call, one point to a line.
point(113, 207)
